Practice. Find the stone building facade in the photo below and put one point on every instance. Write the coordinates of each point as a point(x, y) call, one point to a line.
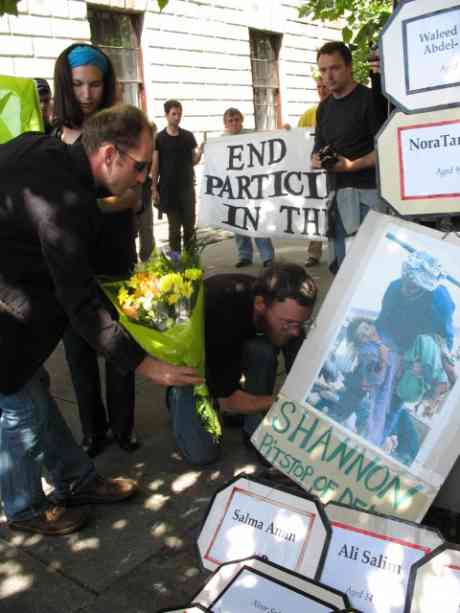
point(210, 54)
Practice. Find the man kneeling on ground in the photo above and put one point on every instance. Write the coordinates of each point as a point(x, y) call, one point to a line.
point(247, 322)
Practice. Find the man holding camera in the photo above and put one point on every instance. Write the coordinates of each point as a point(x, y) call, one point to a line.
point(346, 124)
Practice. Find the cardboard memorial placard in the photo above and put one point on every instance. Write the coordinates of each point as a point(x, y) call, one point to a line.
point(193, 608)
point(255, 586)
point(369, 557)
point(420, 51)
point(260, 184)
point(419, 162)
point(434, 584)
point(368, 404)
point(250, 518)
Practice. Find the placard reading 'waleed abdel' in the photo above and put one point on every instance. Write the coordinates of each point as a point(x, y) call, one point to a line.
point(420, 50)
point(369, 557)
point(248, 518)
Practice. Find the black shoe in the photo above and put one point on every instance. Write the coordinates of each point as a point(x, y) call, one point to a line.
point(267, 263)
point(128, 443)
point(243, 263)
point(94, 445)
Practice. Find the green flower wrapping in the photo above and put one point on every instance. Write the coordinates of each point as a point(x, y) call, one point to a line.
point(166, 318)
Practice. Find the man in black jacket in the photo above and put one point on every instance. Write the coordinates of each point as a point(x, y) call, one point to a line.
point(49, 221)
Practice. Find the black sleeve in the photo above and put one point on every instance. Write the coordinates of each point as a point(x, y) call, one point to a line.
point(374, 117)
point(319, 138)
point(64, 234)
point(193, 140)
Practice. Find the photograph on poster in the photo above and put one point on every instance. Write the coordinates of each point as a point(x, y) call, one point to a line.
point(393, 363)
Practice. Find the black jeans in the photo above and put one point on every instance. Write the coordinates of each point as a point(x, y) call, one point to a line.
point(182, 217)
point(120, 393)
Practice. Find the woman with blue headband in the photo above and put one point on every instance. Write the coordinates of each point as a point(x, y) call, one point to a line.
point(84, 83)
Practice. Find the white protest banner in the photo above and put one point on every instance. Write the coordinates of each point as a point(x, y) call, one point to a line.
point(419, 162)
point(420, 51)
point(261, 184)
point(434, 583)
point(257, 586)
point(373, 394)
point(249, 518)
point(369, 557)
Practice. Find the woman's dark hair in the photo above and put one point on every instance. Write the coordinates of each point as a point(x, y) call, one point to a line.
point(281, 281)
point(67, 111)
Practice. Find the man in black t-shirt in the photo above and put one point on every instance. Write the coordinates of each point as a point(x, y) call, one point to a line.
point(347, 121)
point(247, 322)
point(176, 153)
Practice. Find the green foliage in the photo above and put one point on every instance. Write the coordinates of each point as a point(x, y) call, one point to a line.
point(162, 4)
point(364, 22)
point(9, 7)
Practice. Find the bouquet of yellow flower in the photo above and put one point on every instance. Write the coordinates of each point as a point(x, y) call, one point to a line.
point(162, 306)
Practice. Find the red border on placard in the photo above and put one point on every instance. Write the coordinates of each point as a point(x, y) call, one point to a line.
point(382, 537)
point(401, 165)
point(453, 567)
point(236, 490)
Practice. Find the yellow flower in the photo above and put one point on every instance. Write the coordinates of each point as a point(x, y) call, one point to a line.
point(172, 299)
point(187, 289)
point(123, 296)
point(193, 274)
point(168, 282)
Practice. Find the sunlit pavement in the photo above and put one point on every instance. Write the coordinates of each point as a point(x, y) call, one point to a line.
point(140, 555)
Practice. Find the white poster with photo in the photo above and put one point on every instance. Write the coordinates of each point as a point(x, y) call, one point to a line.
point(261, 184)
point(434, 583)
point(248, 518)
point(255, 585)
point(369, 557)
point(373, 394)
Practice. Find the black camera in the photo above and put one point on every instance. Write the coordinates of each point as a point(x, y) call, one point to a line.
point(328, 157)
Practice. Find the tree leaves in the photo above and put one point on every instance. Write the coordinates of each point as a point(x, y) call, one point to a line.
point(365, 20)
point(9, 7)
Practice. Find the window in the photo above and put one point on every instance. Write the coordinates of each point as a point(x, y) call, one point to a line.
point(118, 35)
point(265, 79)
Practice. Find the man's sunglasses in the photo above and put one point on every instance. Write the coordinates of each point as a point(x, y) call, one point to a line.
point(139, 165)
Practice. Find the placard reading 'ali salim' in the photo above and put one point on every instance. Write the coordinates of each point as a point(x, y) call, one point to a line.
point(373, 394)
point(369, 557)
